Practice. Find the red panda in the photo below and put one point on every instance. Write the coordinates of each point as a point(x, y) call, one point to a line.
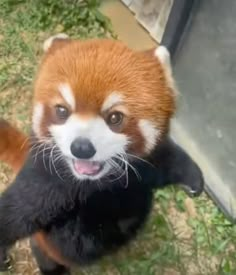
point(99, 145)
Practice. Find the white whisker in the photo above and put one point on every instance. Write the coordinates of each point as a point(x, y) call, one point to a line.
point(117, 168)
point(133, 156)
point(53, 163)
point(123, 157)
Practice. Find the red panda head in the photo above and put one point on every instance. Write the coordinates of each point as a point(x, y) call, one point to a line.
point(97, 101)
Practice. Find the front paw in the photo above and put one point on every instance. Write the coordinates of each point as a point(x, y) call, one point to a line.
point(193, 181)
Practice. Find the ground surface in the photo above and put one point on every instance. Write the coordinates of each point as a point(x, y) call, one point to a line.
point(183, 236)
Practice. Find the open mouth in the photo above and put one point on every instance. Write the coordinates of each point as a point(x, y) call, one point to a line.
point(87, 167)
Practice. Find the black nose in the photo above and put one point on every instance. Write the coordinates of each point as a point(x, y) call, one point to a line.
point(82, 148)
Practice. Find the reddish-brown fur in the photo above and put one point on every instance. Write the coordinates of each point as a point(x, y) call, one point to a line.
point(14, 146)
point(84, 65)
point(49, 249)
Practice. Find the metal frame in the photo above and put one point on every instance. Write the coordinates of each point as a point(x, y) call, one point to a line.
point(177, 24)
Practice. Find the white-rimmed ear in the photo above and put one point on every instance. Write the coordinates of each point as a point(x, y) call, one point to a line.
point(60, 37)
point(164, 56)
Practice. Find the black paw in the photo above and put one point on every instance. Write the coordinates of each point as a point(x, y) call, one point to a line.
point(193, 180)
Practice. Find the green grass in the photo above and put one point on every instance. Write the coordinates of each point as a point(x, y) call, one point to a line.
point(183, 236)
point(24, 25)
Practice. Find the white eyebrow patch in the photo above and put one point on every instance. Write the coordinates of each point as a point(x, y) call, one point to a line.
point(150, 134)
point(113, 99)
point(67, 94)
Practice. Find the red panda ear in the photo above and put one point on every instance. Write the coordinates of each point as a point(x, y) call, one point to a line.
point(55, 42)
point(162, 54)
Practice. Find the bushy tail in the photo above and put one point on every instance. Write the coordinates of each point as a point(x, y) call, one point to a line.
point(14, 146)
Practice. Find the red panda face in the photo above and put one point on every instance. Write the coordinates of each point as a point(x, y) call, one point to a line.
point(99, 102)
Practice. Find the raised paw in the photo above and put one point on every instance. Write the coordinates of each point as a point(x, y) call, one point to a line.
point(193, 180)
point(177, 167)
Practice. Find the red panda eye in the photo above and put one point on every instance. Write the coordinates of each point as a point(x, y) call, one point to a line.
point(62, 112)
point(115, 119)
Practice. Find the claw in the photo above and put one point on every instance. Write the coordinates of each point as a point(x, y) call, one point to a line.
point(192, 193)
point(6, 266)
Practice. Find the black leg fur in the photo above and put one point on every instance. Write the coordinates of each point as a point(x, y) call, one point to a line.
point(45, 264)
point(176, 167)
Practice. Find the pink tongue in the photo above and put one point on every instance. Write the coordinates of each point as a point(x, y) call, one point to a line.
point(86, 167)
